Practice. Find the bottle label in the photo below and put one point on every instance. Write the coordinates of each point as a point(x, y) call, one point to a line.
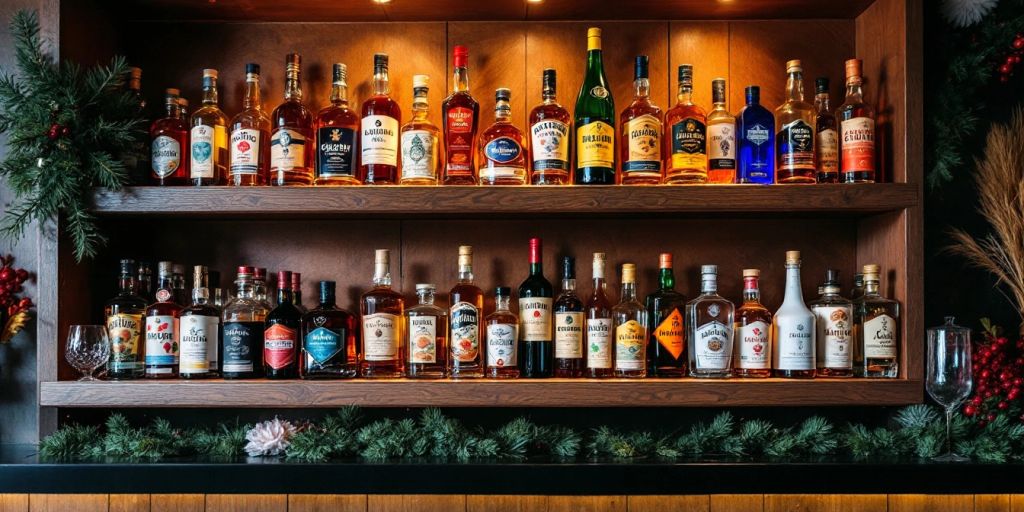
point(459, 138)
point(379, 142)
point(795, 143)
point(599, 343)
point(322, 344)
point(198, 334)
point(334, 152)
point(465, 338)
point(202, 152)
point(630, 344)
point(125, 333)
point(644, 138)
point(165, 156)
point(245, 151)
point(858, 144)
point(752, 345)
point(501, 345)
point(712, 346)
point(595, 145)
point(550, 144)
point(689, 144)
point(380, 337)
point(758, 134)
point(721, 146)
point(669, 333)
point(828, 151)
point(161, 341)
point(794, 345)
point(568, 335)
point(535, 318)
point(242, 340)
point(279, 344)
point(287, 150)
point(503, 150)
point(418, 154)
point(422, 339)
point(879, 338)
point(833, 337)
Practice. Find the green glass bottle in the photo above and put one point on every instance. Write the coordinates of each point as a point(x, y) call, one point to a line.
point(595, 121)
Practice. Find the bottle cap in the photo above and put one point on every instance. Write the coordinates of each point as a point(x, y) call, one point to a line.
point(628, 273)
point(718, 90)
point(381, 262)
point(252, 68)
point(460, 56)
point(598, 266)
point(179, 269)
point(199, 275)
point(284, 280)
point(751, 272)
point(709, 270)
point(568, 267)
point(166, 268)
point(503, 291)
point(535, 250)
point(246, 271)
point(260, 274)
point(419, 81)
point(465, 256)
point(172, 92)
point(135, 73)
point(753, 94)
point(665, 260)
point(794, 66)
point(871, 271)
point(293, 59)
point(128, 267)
point(686, 74)
point(296, 281)
point(640, 67)
point(340, 72)
point(854, 68)
point(821, 85)
point(326, 291)
point(593, 39)
point(503, 94)
point(549, 82)
point(831, 276)
point(425, 287)
point(211, 73)
point(380, 62)
point(792, 257)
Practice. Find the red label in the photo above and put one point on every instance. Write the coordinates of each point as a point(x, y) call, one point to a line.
point(279, 346)
point(460, 140)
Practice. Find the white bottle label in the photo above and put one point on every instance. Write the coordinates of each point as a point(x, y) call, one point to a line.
point(753, 346)
point(549, 140)
point(202, 141)
point(599, 342)
point(287, 150)
point(199, 338)
point(422, 339)
point(794, 346)
point(535, 318)
point(418, 154)
point(501, 345)
point(879, 338)
point(630, 346)
point(161, 343)
point(834, 326)
point(721, 146)
point(379, 140)
point(828, 151)
point(245, 151)
point(165, 156)
point(568, 335)
point(380, 337)
point(712, 346)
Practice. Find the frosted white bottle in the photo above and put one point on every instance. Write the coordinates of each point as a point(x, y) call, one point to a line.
point(793, 328)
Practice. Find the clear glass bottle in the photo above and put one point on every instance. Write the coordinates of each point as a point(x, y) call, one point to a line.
point(710, 335)
point(502, 333)
point(686, 159)
point(427, 331)
point(250, 136)
point(549, 136)
point(721, 138)
point(630, 326)
point(200, 331)
point(794, 131)
point(752, 345)
point(329, 349)
point(858, 286)
point(856, 130)
point(178, 285)
point(594, 120)
point(124, 317)
point(421, 140)
point(381, 117)
point(260, 287)
point(145, 281)
point(756, 140)
point(599, 354)
point(290, 155)
point(209, 137)
point(336, 130)
point(569, 324)
point(641, 134)
point(382, 310)
point(466, 315)
point(827, 140)
point(461, 119)
point(503, 149)
point(168, 138)
point(793, 328)
point(834, 320)
point(876, 326)
point(666, 350)
point(242, 337)
point(162, 323)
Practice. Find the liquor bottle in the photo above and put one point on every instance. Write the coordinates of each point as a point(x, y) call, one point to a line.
point(794, 131)
point(427, 330)
point(686, 159)
point(721, 137)
point(465, 314)
point(250, 136)
point(461, 116)
point(209, 137)
point(178, 284)
point(793, 328)
point(857, 130)
point(297, 292)
point(292, 130)
point(502, 332)
point(169, 145)
point(594, 121)
point(535, 353)
point(216, 292)
point(137, 163)
point(641, 134)
point(421, 140)
point(629, 323)
point(200, 331)
point(124, 320)
point(145, 281)
point(876, 327)
point(382, 310)
point(549, 136)
point(710, 335)
point(858, 287)
point(329, 346)
point(243, 324)
point(378, 143)
point(834, 319)
point(752, 331)
point(162, 329)
point(336, 127)
point(259, 284)
point(569, 323)
point(183, 107)
point(665, 308)
point(281, 333)
point(756, 142)
point(599, 360)
point(826, 139)
point(503, 150)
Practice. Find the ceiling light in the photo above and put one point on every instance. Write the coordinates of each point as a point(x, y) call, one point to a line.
point(382, 1)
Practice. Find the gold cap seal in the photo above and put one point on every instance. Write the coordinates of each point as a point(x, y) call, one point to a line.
point(792, 257)
point(794, 66)
point(593, 38)
point(751, 272)
point(628, 273)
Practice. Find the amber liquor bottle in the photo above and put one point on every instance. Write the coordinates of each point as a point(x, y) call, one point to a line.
point(330, 349)
point(826, 141)
point(465, 315)
point(243, 324)
point(599, 359)
point(336, 130)
point(124, 316)
point(297, 292)
point(569, 324)
point(292, 132)
point(686, 158)
point(794, 131)
point(209, 137)
point(549, 136)
point(721, 138)
point(169, 145)
point(421, 140)
point(378, 142)
point(382, 311)
point(503, 149)
point(427, 334)
point(162, 328)
point(250, 136)
point(666, 350)
point(752, 356)
point(200, 330)
point(281, 333)
point(461, 117)
point(536, 354)
point(502, 337)
point(629, 323)
point(641, 137)
point(856, 130)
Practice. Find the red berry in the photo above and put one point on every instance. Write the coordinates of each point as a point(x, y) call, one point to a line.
point(976, 400)
point(1018, 43)
point(985, 374)
point(7, 274)
point(22, 275)
point(25, 303)
point(989, 393)
point(981, 423)
point(970, 410)
point(991, 416)
point(1002, 341)
point(1005, 69)
point(1002, 406)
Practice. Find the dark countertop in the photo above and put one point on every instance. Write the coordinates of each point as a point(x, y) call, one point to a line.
point(21, 471)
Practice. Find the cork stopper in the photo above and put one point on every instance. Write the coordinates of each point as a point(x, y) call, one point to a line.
point(210, 73)
point(598, 266)
point(665, 260)
point(794, 66)
point(751, 272)
point(465, 258)
point(593, 39)
point(381, 262)
point(628, 273)
point(135, 73)
point(854, 68)
point(172, 92)
point(792, 257)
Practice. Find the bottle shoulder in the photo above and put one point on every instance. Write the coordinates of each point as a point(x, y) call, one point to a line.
point(251, 118)
point(536, 286)
point(291, 113)
point(209, 115)
point(460, 99)
point(327, 312)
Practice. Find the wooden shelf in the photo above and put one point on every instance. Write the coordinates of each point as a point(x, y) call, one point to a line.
point(472, 202)
point(480, 393)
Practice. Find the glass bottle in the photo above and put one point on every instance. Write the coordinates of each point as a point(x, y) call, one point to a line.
point(857, 130)
point(183, 107)
point(569, 323)
point(461, 118)
point(290, 155)
point(378, 143)
point(297, 292)
point(858, 287)
point(594, 121)
point(336, 141)
point(503, 150)
point(209, 137)
point(827, 140)
point(421, 140)
point(169, 145)
point(137, 162)
point(599, 359)
point(665, 308)
point(178, 285)
point(123, 316)
point(640, 138)
point(629, 322)
point(145, 281)
point(876, 328)
point(242, 337)
point(382, 312)
point(710, 335)
point(162, 328)
point(686, 159)
point(465, 313)
point(834, 320)
point(756, 141)
point(259, 283)
point(427, 329)
point(536, 353)
point(793, 328)
point(200, 331)
point(502, 333)
point(752, 345)
point(281, 333)
point(250, 136)
point(794, 131)
point(329, 347)
point(549, 136)
point(721, 138)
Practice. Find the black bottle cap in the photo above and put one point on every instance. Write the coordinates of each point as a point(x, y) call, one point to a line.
point(252, 68)
point(503, 291)
point(831, 276)
point(821, 85)
point(568, 267)
point(686, 74)
point(753, 93)
point(128, 267)
point(640, 67)
point(549, 82)
point(380, 62)
point(503, 94)
point(327, 292)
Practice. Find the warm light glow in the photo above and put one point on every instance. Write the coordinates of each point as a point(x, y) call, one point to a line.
point(382, 1)
point(534, 1)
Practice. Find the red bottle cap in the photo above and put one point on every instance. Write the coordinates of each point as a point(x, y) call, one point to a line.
point(245, 271)
point(284, 279)
point(535, 249)
point(461, 56)
point(296, 281)
point(665, 260)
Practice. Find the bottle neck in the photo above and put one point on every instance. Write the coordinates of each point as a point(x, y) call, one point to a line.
point(327, 301)
point(173, 111)
point(870, 287)
point(751, 290)
point(536, 269)
point(284, 296)
point(166, 283)
point(642, 88)
point(628, 292)
point(821, 100)
point(548, 96)
point(246, 288)
point(569, 285)
point(461, 79)
point(795, 87)
point(502, 303)
point(599, 285)
point(420, 107)
point(685, 94)
point(126, 284)
point(794, 293)
point(210, 94)
point(252, 92)
point(381, 87)
point(297, 297)
point(854, 94)
point(502, 112)
point(426, 297)
point(667, 279)
point(339, 94)
point(200, 295)
point(382, 280)
point(292, 87)
point(465, 274)
point(595, 66)
point(709, 285)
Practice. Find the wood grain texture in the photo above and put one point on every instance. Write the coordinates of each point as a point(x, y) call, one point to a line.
point(327, 503)
point(931, 502)
point(50, 325)
point(497, 57)
point(736, 502)
point(13, 502)
point(991, 503)
point(587, 504)
point(478, 503)
point(675, 503)
point(825, 503)
point(1017, 502)
point(246, 503)
point(416, 503)
point(129, 503)
point(66, 502)
point(177, 502)
point(705, 45)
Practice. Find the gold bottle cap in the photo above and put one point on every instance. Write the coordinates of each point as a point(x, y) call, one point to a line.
point(593, 38)
point(751, 272)
point(793, 257)
point(465, 256)
point(381, 261)
point(172, 92)
point(135, 72)
point(854, 68)
point(665, 260)
point(420, 81)
point(212, 73)
point(871, 269)
point(628, 273)
point(199, 273)
point(794, 66)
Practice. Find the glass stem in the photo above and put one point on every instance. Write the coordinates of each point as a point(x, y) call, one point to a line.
point(949, 430)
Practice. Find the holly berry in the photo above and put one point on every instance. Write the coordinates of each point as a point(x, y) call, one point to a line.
point(65, 131)
point(22, 275)
point(1006, 69)
point(1018, 42)
point(54, 131)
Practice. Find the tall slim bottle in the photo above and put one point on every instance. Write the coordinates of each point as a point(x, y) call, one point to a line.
point(200, 331)
point(794, 131)
point(465, 317)
point(250, 136)
point(629, 323)
point(382, 310)
point(721, 138)
point(162, 319)
point(536, 351)
point(549, 136)
point(686, 157)
point(752, 347)
point(856, 130)
point(827, 140)
point(291, 156)
point(169, 145)
point(599, 353)
point(461, 118)
point(793, 328)
point(594, 121)
point(666, 350)
point(642, 130)
point(569, 324)
point(336, 129)
point(378, 143)
point(710, 335)
point(281, 335)
point(125, 323)
point(756, 141)
point(209, 137)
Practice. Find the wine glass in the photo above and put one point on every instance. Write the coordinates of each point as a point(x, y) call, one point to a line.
point(949, 379)
point(88, 348)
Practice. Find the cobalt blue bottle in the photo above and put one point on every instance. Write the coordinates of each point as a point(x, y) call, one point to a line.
point(756, 141)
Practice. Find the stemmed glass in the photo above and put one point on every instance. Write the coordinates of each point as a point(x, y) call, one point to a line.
point(949, 379)
point(88, 348)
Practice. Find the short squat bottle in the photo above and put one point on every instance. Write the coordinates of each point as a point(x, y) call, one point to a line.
point(710, 337)
point(502, 333)
point(834, 318)
point(329, 345)
point(427, 334)
point(877, 323)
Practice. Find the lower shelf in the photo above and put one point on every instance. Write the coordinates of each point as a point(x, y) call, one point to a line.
point(480, 393)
